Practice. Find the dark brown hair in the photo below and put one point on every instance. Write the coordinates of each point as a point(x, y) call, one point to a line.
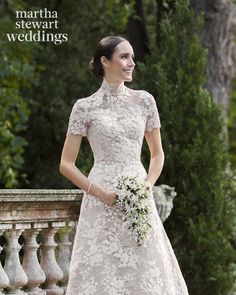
point(105, 47)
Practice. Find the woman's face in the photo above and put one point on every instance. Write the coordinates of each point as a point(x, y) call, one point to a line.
point(121, 66)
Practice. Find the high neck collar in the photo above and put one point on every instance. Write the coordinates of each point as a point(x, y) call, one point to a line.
point(112, 88)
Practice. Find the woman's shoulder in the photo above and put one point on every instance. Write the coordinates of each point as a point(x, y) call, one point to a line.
point(85, 103)
point(143, 96)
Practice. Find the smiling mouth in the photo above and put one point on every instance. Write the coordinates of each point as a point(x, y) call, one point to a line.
point(128, 71)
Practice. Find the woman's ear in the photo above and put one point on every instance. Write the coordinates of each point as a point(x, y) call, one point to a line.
point(104, 61)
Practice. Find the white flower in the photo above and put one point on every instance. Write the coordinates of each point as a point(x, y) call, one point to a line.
point(132, 194)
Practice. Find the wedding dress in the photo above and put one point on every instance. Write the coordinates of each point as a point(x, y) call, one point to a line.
point(105, 258)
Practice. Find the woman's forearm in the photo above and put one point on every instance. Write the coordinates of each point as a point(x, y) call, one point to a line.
point(155, 168)
point(71, 172)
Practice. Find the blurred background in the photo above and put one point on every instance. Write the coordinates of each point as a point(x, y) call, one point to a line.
point(185, 54)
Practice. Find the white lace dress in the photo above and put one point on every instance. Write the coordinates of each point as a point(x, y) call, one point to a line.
point(105, 259)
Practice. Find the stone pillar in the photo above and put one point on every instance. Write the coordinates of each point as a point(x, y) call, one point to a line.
point(15, 272)
point(31, 265)
point(64, 252)
point(49, 263)
point(4, 281)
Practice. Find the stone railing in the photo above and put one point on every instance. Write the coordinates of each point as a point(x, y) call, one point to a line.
point(37, 229)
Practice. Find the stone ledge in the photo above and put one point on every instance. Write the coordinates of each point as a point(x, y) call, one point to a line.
point(40, 195)
point(39, 205)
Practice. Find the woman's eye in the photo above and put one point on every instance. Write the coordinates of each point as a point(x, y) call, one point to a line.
point(125, 56)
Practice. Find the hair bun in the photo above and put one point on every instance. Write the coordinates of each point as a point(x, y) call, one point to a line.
point(91, 64)
point(96, 69)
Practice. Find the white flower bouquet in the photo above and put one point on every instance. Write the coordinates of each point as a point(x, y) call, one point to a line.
point(131, 196)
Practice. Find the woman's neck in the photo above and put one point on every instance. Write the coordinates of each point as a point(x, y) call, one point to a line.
point(113, 86)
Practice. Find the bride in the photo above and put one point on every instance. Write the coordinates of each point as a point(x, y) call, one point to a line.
point(115, 119)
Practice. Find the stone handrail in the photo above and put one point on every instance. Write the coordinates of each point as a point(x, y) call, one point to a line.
point(37, 228)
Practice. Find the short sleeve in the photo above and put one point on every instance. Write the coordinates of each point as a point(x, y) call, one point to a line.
point(152, 114)
point(78, 120)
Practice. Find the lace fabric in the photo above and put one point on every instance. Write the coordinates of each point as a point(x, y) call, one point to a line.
point(105, 259)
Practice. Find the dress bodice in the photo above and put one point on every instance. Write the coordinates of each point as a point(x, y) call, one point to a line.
point(114, 119)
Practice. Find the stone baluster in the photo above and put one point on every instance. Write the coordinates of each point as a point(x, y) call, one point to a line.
point(64, 252)
point(17, 276)
point(31, 265)
point(49, 264)
point(4, 281)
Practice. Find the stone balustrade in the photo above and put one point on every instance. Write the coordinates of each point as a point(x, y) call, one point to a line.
point(37, 229)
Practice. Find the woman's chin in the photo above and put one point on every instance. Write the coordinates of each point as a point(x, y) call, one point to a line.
point(128, 78)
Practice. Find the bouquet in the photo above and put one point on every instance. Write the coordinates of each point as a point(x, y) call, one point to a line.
point(131, 196)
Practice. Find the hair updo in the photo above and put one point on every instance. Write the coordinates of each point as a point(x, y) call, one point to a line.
point(105, 47)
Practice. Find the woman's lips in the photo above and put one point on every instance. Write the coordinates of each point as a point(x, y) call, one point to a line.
point(128, 71)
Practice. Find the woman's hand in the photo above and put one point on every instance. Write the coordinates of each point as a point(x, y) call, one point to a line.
point(148, 182)
point(108, 198)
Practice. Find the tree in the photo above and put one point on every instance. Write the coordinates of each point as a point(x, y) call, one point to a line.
point(218, 36)
point(196, 163)
point(18, 73)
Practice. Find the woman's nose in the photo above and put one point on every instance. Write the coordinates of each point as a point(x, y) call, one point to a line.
point(132, 62)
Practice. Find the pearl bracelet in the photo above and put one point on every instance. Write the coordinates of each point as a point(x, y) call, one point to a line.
point(90, 183)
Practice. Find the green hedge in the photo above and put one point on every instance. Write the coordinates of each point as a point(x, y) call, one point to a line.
point(196, 158)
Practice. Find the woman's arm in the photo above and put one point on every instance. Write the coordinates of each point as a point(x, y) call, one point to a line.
point(69, 170)
point(153, 139)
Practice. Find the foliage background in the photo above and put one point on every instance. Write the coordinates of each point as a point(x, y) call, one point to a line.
point(41, 81)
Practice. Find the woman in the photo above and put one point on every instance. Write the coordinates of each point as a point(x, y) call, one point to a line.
point(105, 259)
